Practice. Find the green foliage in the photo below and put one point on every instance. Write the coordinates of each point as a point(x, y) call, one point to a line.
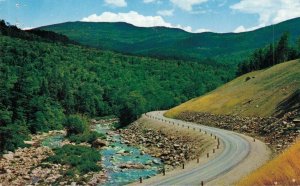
point(48, 116)
point(41, 82)
point(81, 159)
point(88, 137)
point(13, 136)
point(172, 43)
point(75, 125)
point(40, 35)
point(269, 56)
point(298, 46)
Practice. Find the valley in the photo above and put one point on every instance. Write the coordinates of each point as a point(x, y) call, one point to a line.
point(86, 103)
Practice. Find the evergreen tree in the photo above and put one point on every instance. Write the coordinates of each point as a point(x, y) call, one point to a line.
point(282, 49)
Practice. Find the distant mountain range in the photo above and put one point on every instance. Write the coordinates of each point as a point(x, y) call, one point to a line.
point(174, 43)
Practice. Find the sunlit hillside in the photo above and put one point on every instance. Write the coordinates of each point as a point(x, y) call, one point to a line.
point(259, 93)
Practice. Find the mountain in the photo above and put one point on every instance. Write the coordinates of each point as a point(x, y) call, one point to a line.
point(261, 93)
point(174, 43)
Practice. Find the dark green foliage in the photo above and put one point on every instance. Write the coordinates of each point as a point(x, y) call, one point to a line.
point(13, 136)
point(41, 82)
point(81, 159)
point(75, 124)
point(40, 35)
point(78, 130)
point(172, 43)
point(88, 137)
point(298, 46)
point(47, 114)
point(269, 56)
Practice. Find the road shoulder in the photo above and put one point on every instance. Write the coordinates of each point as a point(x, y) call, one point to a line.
point(259, 154)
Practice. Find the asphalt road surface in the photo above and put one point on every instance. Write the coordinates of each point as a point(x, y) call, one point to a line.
point(235, 150)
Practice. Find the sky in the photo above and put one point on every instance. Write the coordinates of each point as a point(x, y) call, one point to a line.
point(190, 15)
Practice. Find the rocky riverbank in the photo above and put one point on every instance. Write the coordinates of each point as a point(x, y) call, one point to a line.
point(277, 132)
point(172, 145)
point(25, 166)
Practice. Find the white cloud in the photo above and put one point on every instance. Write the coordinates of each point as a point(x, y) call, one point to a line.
point(117, 3)
point(27, 28)
point(243, 29)
point(269, 11)
point(187, 5)
point(200, 30)
point(240, 29)
point(134, 18)
point(165, 12)
point(131, 17)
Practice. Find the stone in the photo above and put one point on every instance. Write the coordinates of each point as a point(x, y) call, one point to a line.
point(26, 177)
point(176, 146)
point(98, 143)
point(9, 156)
point(156, 161)
point(30, 142)
point(132, 166)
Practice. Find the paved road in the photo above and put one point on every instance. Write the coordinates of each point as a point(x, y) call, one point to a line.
point(235, 150)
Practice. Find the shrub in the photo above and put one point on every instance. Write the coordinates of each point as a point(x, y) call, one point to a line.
point(81, 159)
point(13, 136)
point(75, 124)
point(88, 137)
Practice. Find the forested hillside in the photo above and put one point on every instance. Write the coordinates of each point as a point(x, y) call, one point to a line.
point(43, 82)
point(272, 54)
point(229, 48)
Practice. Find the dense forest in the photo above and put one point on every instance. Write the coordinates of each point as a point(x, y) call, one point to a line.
point(36, 34)
point(42, 83)
point(271, 55)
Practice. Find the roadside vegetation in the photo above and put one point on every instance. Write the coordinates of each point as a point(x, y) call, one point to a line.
point(283, 170)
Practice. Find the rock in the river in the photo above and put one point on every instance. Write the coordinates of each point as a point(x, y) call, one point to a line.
point(155, 161)
point(132, 166)
point(98, 143)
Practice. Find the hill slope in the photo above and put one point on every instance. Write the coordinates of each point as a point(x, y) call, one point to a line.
point(260, 93)
point(284, 169)
point(173, 43)
point(43, 82)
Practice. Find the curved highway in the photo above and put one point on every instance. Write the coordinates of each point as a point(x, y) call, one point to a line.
point(235, 150)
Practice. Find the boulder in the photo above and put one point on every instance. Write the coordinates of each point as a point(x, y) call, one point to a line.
point(8, 156)
point(98, 143)
point(132, 166)
point(156, 161)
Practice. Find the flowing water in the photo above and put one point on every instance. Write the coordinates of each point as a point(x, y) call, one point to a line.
point(117, 154)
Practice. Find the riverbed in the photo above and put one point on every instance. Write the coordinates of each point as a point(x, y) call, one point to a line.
point(116, 155)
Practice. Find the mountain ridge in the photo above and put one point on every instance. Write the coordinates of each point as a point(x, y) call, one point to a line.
point(163, 42)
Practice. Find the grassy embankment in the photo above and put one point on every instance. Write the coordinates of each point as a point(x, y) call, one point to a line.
point(258, 96)
point(283, 170)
